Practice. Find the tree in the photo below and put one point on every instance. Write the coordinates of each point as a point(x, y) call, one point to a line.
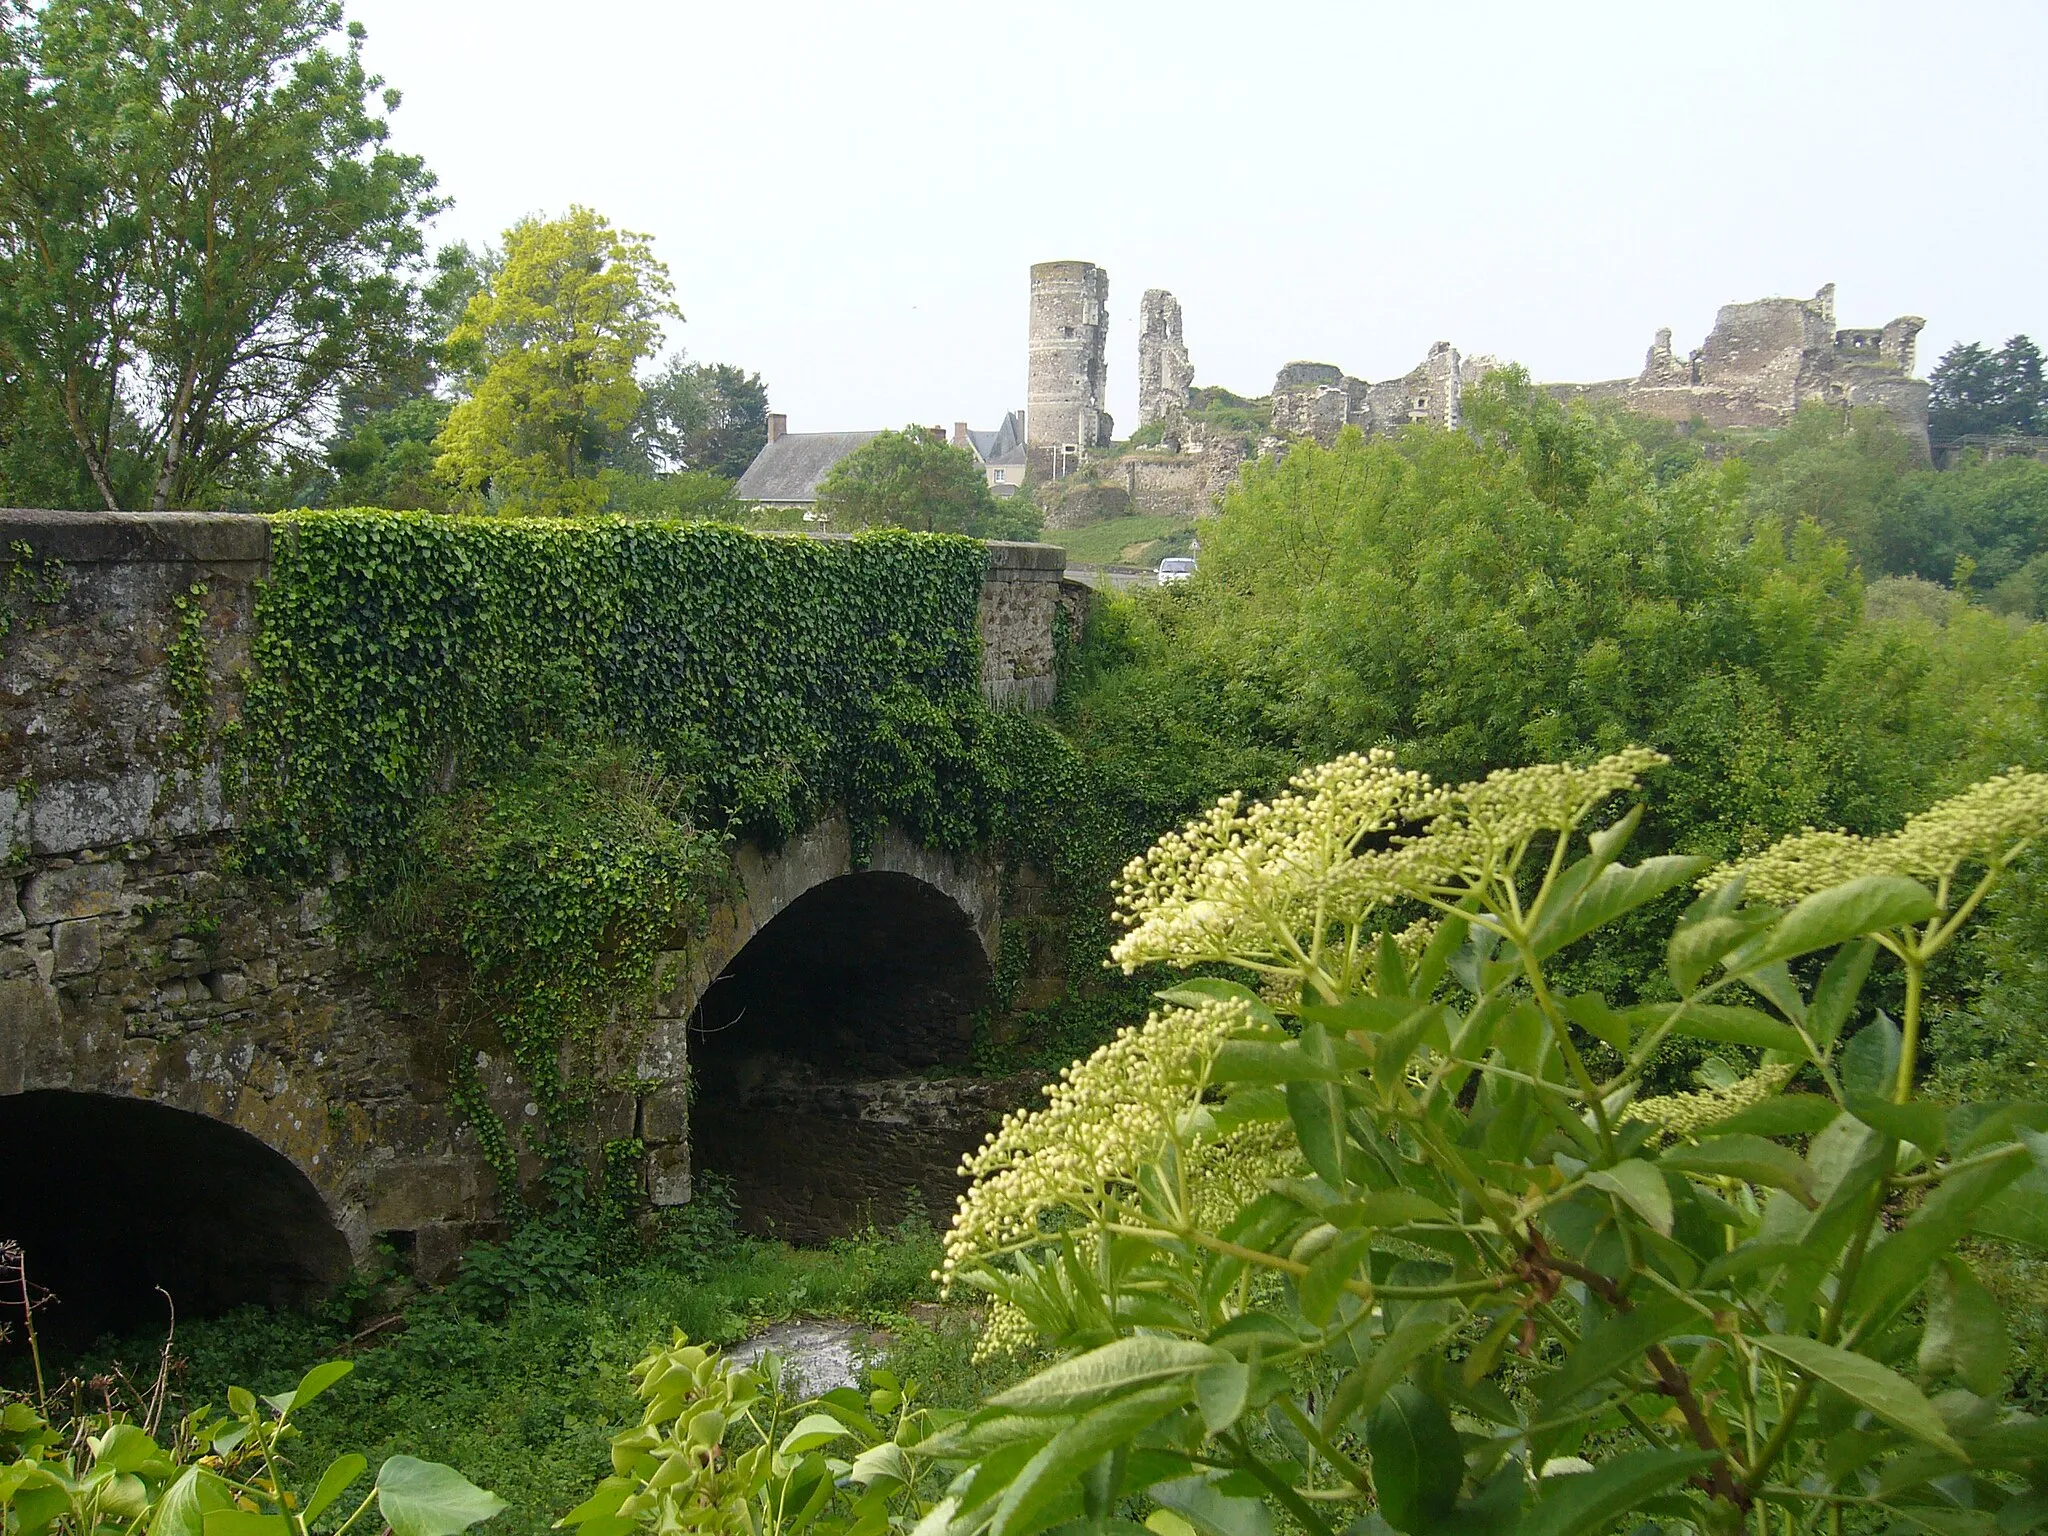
point(916, 479)
point(573, 308)
point(699, 416)
point(1979, 391)
point(202, 234)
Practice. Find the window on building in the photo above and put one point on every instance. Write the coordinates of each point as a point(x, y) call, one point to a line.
point(1000, 475)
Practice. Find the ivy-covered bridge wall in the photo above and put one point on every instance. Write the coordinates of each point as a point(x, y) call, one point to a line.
point(211, 725)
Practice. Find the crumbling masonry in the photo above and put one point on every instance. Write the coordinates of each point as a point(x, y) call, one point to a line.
point(1164, 372)
point(1064, 415)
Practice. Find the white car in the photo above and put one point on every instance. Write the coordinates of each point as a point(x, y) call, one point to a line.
point(1175, 568)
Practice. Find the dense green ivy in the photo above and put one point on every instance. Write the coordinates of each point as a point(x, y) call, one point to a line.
point(397, 654)
point(522, 739)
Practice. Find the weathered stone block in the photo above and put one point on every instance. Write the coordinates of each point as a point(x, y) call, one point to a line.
point(86, 814)
point(76, 946)
point(228, 986)
point(665, 1117)
point(84, 890)
point(28, 1017)
point(668, 1176)
point(406, 1196)
point(11, 920)
point(437, 1250)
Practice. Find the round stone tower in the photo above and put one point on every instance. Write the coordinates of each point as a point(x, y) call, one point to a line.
point(1064, 417)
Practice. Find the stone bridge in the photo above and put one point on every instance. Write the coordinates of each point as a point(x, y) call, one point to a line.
point(199, 1091)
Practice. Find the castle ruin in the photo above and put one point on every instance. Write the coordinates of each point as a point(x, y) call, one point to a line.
point(1164, 372)
point(1064, 416)
point(1765, 359)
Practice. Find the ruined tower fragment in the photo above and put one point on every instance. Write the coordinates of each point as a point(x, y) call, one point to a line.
point(1164, 372)
point(1064, 417)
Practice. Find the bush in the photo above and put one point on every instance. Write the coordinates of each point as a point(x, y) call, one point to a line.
point(1386, 1239)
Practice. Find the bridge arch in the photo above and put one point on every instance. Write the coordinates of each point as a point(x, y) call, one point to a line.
point(815, 1024)
point(113, 1198)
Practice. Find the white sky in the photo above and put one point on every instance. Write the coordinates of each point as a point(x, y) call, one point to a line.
point(849, 195)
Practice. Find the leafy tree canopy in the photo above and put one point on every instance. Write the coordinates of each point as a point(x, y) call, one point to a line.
point(916, 479)
point(700, 416)
point(203, 239)
point(1978, 390)
point(574, 306)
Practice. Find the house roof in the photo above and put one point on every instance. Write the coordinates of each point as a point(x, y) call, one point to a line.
point(1005, 445)
point(787, 471)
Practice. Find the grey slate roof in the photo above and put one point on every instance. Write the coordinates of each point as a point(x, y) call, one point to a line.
point(1005, 445)
point(786, 472)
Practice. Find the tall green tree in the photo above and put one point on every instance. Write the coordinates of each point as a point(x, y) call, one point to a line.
point(711, 417)
point(1976, 390)
point(916, 479)
point(573, 308)
point(203, 235)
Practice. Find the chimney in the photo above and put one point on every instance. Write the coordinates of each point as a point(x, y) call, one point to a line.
point(959, 434)
point(778, 426)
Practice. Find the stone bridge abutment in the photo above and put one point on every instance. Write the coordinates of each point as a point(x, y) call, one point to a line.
point(170, 1030)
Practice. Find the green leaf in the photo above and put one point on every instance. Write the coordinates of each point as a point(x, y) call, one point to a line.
point(1835, 994)
point(311, 1385)
point(1117, 1367)
point(1220, 1393)
point(340, 1472)
point(1317, 1110)
point(1586, 1503)
point(1618, 889)
point(2018, 1214)
point(1870, 1061)
point(1052, 1471)
point(1418, 1332)
point(1590, 1012)
point(1319, 1289)
point(1965, 1335)
point(425, 1498)
point(1870, 904)
point(243, 1522)
point(1792, 1114)
point(1417, 1464)
point(1271, 1061)
point(1923, 1124)
point(1724, 1023)
point(1709, 928)
point(1618, 1340)
point(1640, 1187)
point(122, 1448)
point(811, 1431)
point(1211, 1511)
point(192, 1496)
point(1739, 1155)
point(1862, 1380)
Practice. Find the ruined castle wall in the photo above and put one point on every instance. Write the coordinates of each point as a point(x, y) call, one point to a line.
point(1164, 369)
point(1069, 329)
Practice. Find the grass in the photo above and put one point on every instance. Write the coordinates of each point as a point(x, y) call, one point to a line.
point(517, 1372)
point(1106, 543)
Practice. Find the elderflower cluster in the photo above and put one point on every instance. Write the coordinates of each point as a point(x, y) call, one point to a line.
point(1229, 1173)
point(1479, 825)
point(1984, 825)
point(1242, 881)
point(1006, 1333)
point(1687, 1114)
point(1102, 1120)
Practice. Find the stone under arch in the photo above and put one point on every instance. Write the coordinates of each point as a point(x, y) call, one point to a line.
point(114, 1197)
point(821, 1017)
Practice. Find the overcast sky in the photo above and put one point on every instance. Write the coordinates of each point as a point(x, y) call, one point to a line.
point(849, 195)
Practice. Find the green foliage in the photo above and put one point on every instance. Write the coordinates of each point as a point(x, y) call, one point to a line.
point(916, 479)
point(724, 1450)
point(203, 236)
point(1381, 1243)
point(1976, 390)
point(186, 677)
point(98, 1470)
point(388, 460)
point(1220, 410)
point(553, 889)
point(709, 417)
point(572, 309)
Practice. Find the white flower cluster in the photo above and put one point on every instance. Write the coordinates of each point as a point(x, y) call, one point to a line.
point(1260, 885)
point(1984, 825)
point(1242, 882)
point(1687, 1114)
point(1103, 1119)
